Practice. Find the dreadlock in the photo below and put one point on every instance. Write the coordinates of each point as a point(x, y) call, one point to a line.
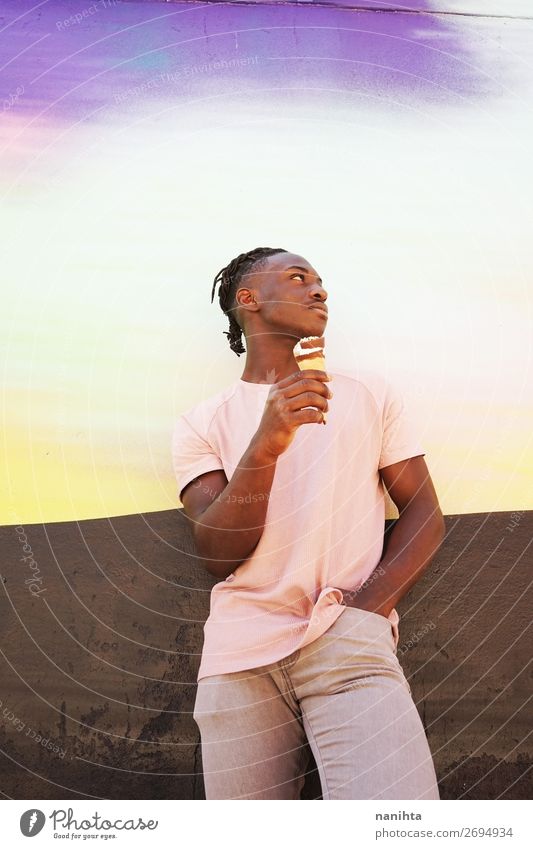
point(229, 278)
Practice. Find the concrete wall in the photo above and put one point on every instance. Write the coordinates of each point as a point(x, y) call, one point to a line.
point(99, 657)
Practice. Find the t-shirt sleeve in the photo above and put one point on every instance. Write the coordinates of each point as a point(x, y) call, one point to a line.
point(400, 437)
point(192, 455)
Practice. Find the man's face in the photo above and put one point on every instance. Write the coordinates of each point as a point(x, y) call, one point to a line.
point(288, 290)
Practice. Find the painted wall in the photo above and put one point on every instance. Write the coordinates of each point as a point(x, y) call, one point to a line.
point(102, 663)
point(144, 145)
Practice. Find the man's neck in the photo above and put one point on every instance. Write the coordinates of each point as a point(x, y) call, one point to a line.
point(271, 370)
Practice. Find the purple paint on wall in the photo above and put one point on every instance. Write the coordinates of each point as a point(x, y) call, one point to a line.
point(71, 60)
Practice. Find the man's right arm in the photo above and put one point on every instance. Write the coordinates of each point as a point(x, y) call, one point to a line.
point(228, 518)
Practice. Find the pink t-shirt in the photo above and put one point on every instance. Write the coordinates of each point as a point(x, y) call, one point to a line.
point(325, 519)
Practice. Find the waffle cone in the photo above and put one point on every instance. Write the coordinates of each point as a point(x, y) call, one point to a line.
point(312, 360)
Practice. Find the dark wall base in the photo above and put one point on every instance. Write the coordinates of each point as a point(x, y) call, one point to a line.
point(99, 664)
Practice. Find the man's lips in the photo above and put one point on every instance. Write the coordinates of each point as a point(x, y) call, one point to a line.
point(321, 309)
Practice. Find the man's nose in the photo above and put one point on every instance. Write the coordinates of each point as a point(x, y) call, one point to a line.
point(320, 294)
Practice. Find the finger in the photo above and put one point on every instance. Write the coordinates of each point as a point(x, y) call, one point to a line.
point(316, 374)
point(302, 386)
point(307, 399)
point(308, 416)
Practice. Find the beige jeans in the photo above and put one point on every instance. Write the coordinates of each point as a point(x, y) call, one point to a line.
point(345, 695)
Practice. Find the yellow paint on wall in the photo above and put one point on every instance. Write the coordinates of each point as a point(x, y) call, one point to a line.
point(46, 479)
point(419, 230)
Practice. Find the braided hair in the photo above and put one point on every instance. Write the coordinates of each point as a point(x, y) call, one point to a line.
point(229, 278)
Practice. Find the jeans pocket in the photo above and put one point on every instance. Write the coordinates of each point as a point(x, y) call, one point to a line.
point(369, 616)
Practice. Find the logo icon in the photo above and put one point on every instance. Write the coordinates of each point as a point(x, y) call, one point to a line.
point(31, 822)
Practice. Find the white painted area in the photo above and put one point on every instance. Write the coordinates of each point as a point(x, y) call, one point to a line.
point(419, 220)
point(500, 8)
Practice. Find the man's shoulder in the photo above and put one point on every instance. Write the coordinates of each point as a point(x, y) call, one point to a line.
point(372, 382)
point(202, 412)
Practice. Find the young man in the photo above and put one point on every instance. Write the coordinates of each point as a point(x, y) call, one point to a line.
point(288, 515)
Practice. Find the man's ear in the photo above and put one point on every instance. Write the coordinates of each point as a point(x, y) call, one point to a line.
point(246, 299)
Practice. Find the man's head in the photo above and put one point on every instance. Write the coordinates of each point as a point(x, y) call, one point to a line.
point(270, 290)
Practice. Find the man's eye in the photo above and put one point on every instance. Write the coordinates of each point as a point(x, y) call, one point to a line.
point(297, 275)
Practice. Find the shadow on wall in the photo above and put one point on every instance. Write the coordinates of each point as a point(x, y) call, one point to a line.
point(101, 634)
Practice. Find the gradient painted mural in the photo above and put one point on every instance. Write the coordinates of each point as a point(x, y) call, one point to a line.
point(146, 144)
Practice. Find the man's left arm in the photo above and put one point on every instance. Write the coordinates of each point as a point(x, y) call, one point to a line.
point(411, 544)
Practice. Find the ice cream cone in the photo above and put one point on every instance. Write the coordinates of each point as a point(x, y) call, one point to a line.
point(312, 357)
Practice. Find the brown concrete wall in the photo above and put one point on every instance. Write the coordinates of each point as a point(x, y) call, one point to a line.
point(98, 665)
